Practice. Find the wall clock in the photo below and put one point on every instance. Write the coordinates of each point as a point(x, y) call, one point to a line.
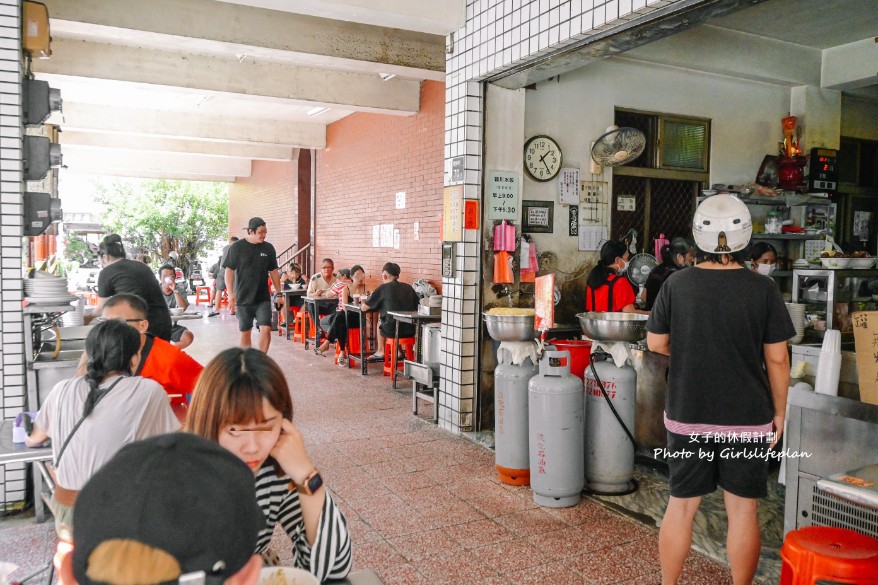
point(542, 158)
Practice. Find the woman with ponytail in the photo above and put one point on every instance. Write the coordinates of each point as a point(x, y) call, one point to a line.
point(91, 417)
point(608, 290)
point(121, 275)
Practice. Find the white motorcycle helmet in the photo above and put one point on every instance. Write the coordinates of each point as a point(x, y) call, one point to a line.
point(722, 225)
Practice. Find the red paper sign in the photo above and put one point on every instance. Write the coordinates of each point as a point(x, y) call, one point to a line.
point(544, 302)
point(471, 214)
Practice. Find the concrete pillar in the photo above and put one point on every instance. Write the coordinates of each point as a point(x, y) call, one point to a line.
point(819, 114)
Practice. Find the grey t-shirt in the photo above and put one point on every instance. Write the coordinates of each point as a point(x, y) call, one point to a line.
point(136, 408)
point(718, 321)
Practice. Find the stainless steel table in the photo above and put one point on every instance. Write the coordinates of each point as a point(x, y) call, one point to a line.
point(315, 307)
point(186, 317)
point(20, 453)
point(367, 333)
point(292, 298)
point(418, 320)
point(362, 577)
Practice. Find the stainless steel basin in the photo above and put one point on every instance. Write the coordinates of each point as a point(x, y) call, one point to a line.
point(65, 355)
point(630, 327)
point(510, 327)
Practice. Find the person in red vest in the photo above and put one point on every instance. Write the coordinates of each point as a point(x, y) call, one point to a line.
point(161, 361)
point(608, 290)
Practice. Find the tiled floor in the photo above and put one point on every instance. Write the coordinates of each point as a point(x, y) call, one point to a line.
point(423, 506)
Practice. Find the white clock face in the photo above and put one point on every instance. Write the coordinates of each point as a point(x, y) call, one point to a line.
point(542, 158)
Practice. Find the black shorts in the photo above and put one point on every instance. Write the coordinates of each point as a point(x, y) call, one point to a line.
point(388, 329)
point(177, 332)
point(261, 312)
point(698, 464)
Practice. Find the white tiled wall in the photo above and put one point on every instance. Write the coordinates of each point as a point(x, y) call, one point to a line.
point(12, 383)
point(498, 35)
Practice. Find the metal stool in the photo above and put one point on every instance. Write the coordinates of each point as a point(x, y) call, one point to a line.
point(822, 553)
point(199, 298)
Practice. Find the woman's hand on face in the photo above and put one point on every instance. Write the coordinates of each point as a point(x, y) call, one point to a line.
point(289, 452)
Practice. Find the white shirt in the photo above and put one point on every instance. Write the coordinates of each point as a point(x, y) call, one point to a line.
point(136, 408)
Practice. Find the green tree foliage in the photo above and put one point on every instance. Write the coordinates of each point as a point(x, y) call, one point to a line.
point(159, 216)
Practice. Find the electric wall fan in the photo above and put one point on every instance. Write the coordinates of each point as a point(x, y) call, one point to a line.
point(618, 146)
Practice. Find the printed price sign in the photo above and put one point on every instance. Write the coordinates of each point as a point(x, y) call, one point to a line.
point(504, 196)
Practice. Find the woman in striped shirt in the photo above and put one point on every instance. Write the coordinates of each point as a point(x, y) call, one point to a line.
point(242, 402)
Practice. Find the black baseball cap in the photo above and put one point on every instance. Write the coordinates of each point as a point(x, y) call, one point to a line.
point(179, 493)
point(255, 223)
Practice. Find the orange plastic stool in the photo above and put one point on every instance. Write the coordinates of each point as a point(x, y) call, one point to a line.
point(407, 344)
point(303, 327)
point(821, 553)
point(223, 300)
point(353, 345)
point(200, 299)
point(282, 319)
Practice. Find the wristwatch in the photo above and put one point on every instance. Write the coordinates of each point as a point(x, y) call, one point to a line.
point(311, 484)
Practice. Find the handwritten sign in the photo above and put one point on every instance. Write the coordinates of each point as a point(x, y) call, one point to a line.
point(504, 195)
point(865, 325)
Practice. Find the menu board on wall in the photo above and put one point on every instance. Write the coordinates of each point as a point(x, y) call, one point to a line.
point(452, 224)
point(504, 195)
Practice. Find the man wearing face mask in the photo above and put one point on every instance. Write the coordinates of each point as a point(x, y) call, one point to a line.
point(608, 289)
point(763, 258)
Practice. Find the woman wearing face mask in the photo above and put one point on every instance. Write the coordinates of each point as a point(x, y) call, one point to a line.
point(242, 402)
point(677, 255)
point(763, 258)
point(608, 290)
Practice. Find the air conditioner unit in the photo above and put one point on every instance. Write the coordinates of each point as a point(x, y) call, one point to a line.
point(40, 211)
point(40, 155)
point(38, 101)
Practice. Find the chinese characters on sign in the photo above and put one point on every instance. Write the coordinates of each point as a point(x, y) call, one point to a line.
point(568, 186)
point(865, 325)
point(503, 195)
point(452, 225)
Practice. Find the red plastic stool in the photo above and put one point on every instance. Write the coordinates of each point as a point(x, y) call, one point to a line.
point(224, 300)
point(200, 299)
point(353, 345)
point(282, 317)
point(821, 553)
point(407, 344)
point(303, 327)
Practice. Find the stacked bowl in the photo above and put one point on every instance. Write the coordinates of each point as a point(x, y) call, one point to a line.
point(797, 314)
point(46, 289)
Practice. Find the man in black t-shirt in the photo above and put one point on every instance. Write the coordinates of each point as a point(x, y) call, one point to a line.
point(726, 330)
point(391, 296)
point(121, 275)
point(248, 264)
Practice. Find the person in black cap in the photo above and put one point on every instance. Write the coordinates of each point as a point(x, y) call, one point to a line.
point(172, 508)
point(246, 266)
point(393, 295)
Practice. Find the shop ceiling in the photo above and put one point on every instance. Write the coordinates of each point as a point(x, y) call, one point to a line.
point(199, 89)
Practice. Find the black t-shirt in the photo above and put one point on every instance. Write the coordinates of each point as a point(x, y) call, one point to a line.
point(718, 321)
point(394, 296)
point(251, 263)
point(655, 281)
point(129, 276)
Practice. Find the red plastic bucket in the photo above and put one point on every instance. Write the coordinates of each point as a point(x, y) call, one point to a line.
point(580, 351)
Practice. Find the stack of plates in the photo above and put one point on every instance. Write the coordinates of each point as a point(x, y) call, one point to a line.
point(74, 318)
point(797, 314)
point(45, 289)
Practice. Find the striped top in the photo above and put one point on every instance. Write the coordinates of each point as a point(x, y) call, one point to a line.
point(336, 290)
point(330, 558)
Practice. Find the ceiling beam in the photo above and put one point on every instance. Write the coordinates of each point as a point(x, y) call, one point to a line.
point(121, 120)
point(851, 66)
point(100, 171)
point(245, 26)
point(99, 141)
point(157, 162)
point(427, 16)
point(224, 76)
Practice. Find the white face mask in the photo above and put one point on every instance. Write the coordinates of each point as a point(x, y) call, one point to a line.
point(765, 269)
point(623, 269)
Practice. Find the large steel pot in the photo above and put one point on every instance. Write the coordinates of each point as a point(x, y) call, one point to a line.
point(630, 327)
point(510, 327)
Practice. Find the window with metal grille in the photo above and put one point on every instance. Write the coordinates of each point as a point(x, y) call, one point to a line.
point(673, 142)
point(661, 206)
